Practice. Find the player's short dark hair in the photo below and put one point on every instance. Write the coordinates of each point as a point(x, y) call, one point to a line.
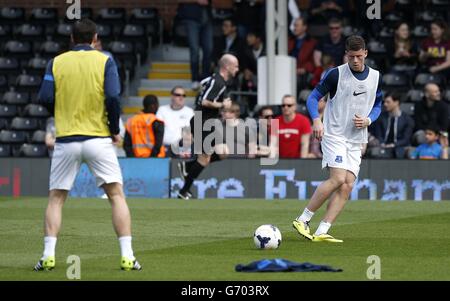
point(150, 103)
point(396, 96)
point(83, 31)
point(355, 43)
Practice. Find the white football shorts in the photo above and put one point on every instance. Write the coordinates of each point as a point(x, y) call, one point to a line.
point(341, 154)
point(97, 153)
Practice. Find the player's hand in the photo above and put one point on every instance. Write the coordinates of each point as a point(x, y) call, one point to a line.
point(226, 103)
point(317, 129)
point(360, 122)
point(117, 139)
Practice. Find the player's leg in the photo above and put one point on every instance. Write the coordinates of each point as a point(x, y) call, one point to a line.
point(322, 193)
point(65, 164)
point(339, 199)
point(193, 169)
point(101, 159)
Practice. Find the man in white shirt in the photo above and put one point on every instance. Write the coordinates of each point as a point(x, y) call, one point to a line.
point(176, 116)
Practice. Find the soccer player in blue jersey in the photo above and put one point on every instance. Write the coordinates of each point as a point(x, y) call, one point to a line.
point(353, 103)
point(82, 87)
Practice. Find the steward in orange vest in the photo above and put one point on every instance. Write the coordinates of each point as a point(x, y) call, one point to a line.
point(145, 132)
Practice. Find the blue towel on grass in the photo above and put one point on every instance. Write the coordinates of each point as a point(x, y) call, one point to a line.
point(283, 265)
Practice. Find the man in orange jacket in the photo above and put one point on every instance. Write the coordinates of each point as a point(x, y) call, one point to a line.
point(144, 132)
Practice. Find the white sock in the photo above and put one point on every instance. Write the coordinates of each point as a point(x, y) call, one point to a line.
point(306, 216)
point(125, 247)
point(323, 228)
point(49, 246)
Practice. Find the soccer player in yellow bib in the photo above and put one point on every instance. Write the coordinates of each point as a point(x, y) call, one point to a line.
point(82, 88)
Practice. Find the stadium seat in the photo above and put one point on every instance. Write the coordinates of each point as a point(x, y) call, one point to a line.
point(424, 78)
point(179, 33)
point(403, 68)
point(38, 136)
point(8, 111)
point(105, 33)
point(37, 66)
point(27, 83)
point(5, 33)
point(414, 95)
point(44, 16)
point(122, 50)
point(408, 108)
point(35, 110)
point(427, 16)
point(392, 18)
point(303, 95)
point(16, 98)
point(29, 32)
point(12, 15)
point(302, 109)
point(24, 124)
point(63, 32)
point(50, 49)
point(12, 137)
point(446, 95)
point(395, 81)
point(371, 63)
point(3, 83)
point(4, 123)
point(9, 65)
point(349, 30)
point(5, 150)
point(33, 150)
point(17, 49)
point(148, 17)
point(133, 32)
point(420, 32)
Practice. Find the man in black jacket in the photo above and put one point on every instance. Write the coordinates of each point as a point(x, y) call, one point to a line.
point(394, 128)
point(432, 111)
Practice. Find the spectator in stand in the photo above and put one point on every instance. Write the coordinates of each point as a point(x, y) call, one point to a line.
point(254, 49)
point(175, 116)
point(145, 132)
point(301, 47)
point(196, 16)
point(229, 42)
point(294, 130)
point(250, 16)
point(243, 142)
point(393, 129)
point(323, 10)
point(184, 149)
point(435, 52)
point(430, 112)
point(431, 149)
point(266, 145)
point(332, 44)
point(403, 49)
point(326, 64)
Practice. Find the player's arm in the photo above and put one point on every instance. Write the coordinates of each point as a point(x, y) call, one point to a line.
point(112, 92)
point(128, 145)
point(212, 92)
point(376, 109)
point(305, 146)
point(46, 95)
point(362, 121)
point(158, 131)
point(327, 85)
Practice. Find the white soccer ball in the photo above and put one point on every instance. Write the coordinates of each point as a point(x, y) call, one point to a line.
point(267, 237)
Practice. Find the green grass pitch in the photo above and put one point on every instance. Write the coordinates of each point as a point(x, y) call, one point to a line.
point(205, 239)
